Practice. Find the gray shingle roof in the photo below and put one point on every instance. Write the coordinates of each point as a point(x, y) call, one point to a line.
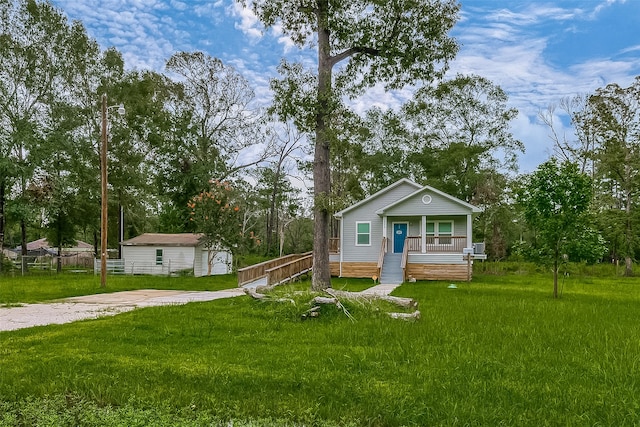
point(161, 239)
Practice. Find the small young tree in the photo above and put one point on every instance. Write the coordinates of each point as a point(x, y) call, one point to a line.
point(217, 215)
point(555, 200)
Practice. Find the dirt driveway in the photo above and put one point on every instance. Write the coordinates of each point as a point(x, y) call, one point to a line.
point(94, 306)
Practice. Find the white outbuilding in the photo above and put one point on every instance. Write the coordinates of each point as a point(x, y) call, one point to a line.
point(156, 253)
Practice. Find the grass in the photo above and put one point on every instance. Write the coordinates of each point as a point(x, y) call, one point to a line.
point(33, 289)
point(497, 351)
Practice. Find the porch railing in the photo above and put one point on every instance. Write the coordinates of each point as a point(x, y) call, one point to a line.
point(254, 272)
point(334, 245)
point(439, 244)
point(289, 270)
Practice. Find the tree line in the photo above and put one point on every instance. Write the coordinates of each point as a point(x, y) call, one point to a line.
point(178, 133)
point(193, 136)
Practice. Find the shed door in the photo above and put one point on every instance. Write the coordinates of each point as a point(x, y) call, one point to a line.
point(399, 234)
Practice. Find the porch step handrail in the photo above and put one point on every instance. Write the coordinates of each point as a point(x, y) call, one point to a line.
point(257, 271)
point(289, 270)
point(383, 250)
point(405, 258)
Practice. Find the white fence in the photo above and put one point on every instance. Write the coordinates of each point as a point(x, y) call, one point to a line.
point(114, 266)
point(119, 266)
point(29, 263)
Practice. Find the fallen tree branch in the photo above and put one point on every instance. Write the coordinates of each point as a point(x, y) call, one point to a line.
point(324, 300)
point(405, 316)
point(312, 312)
point(333, 301)
point(262, 297)
point(400, 301)
point(254, 294)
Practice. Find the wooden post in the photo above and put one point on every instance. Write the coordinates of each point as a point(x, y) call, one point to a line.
point(103, 174)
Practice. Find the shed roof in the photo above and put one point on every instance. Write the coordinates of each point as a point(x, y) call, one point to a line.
point(44, 244)
point(162, 239)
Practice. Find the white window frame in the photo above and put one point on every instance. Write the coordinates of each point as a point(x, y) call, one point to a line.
point(159, 259)
point(359, 234)
point(436, 232)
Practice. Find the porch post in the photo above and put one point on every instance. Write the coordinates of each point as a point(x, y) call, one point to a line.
point(384, 230)
point(341, 246)
point(423, 234)
point(469, 232)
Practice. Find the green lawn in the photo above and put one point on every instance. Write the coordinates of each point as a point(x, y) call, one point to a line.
point(497, 351)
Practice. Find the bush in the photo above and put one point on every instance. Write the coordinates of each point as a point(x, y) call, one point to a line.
point(7, 264)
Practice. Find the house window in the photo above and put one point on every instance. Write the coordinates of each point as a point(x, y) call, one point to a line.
point(363, 234)
point(439, 232)
point(158, 256)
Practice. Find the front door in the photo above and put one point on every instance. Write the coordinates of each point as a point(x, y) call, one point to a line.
point(399, 234)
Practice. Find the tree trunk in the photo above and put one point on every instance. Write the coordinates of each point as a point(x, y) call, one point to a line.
point(555, 273)
point(23, 241)
point(59, 244)
point(628, 266)
point(59, 264)
point(95, 244)
point(321, 170)
point(2, 222)
point(628, 261)
point(271, 223)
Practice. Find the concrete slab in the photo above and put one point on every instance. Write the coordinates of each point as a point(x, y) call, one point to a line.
point(30, 315)
point(94, 306)
point(380, 289)
point(124, 297)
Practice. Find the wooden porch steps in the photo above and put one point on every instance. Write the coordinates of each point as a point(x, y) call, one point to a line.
point(391, 269)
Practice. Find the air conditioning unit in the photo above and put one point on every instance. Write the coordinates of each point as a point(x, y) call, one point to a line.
point(478, 248)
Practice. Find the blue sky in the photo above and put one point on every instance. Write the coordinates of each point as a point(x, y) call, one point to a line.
point(537, 51)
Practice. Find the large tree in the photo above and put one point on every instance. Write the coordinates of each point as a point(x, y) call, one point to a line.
point(274, 186)
point(395, 43)
point(216, 129)
point(32, 53)
point(615, 120)
point(460, 134)
point(578, 147)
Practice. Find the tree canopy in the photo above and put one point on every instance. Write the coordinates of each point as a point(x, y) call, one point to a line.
point(394, 43)
point(555, 199)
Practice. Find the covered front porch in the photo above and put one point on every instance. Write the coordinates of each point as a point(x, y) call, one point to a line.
point(420, 235)
point(428, 234)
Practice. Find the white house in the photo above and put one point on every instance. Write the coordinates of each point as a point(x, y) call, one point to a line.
point(154, 253)
point(406, 231)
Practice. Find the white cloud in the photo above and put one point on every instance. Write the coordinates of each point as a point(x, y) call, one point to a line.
point(506, 44)
point(249, 23)
point(510, 48)
point(604, 5)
